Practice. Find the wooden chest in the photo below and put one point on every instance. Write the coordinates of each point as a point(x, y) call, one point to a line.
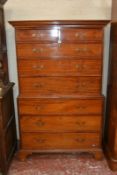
point(60, 86)
point(8, 139)
point(111, 113)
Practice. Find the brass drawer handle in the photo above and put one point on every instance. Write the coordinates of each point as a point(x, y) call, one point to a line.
point(38, 85)
point(94, 145)
point(34, 35)
point(81, 107)
point(39, 50)
point(81, 50)
point(37, 35)
point(38, 108)
point(80, 35)
point(77, 34)
point(81, 86)
point(40, 123)
point(81, 123)
point(80, 140)
point(78, 66)
point(40, 140)
point(81, 66)
point(39, 67)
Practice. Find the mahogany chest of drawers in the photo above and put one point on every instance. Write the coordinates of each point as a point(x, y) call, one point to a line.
point(60, 82)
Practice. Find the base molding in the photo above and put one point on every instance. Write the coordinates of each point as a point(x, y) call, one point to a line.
point(23, 154)
point(112, 162)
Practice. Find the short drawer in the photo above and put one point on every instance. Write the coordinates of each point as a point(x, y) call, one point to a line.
point(81, 35)
point(59, 50)
point(59, 67)
point(56, 106)
point(37, 35)
point(53, 141)
point(60, 123)
point(65, 34)
point(60, 86)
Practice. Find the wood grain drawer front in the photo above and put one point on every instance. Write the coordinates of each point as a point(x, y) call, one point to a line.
point(59, 50)
point(65, 34)
point(81, 35)
point(60, 141)
point(61, 86)
point(37, 35)
point(59, 67)
point(60, 106)
point(60, 123)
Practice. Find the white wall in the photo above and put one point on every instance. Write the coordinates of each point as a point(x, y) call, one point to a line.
point(52, 9)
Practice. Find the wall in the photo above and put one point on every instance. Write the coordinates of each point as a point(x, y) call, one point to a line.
point(52, 9)
point(114, 10)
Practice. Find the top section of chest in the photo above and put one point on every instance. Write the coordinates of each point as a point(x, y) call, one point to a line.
point(59, 31)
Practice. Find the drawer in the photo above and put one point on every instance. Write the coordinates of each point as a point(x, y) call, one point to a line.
point(65, 34)
point(58, 141)
point(60, 86)
point(37, 35)
point(81, 35)
point(60, 123)
point(59, 50)
point(57, 106)
point(59, 67)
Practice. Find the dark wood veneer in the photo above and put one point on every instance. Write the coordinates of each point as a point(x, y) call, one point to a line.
point(7, 128)
point(111, 113)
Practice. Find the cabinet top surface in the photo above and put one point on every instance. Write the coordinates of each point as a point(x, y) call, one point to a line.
point(35, 23)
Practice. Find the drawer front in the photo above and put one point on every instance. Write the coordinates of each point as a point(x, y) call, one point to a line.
point(66, 34)
point(59, 50)
point(60, 141)
point(60, 123)
point(59, 67)
point(81, 35)
point(60, 106)
point(37, 35)
point(61, 86)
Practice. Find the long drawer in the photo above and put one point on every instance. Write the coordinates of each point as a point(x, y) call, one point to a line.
point(59, 67)
point(57, 106)
point(54, 141)
point(60, 123)
point(59, 50)
point(62, 86)
point(66, 34)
